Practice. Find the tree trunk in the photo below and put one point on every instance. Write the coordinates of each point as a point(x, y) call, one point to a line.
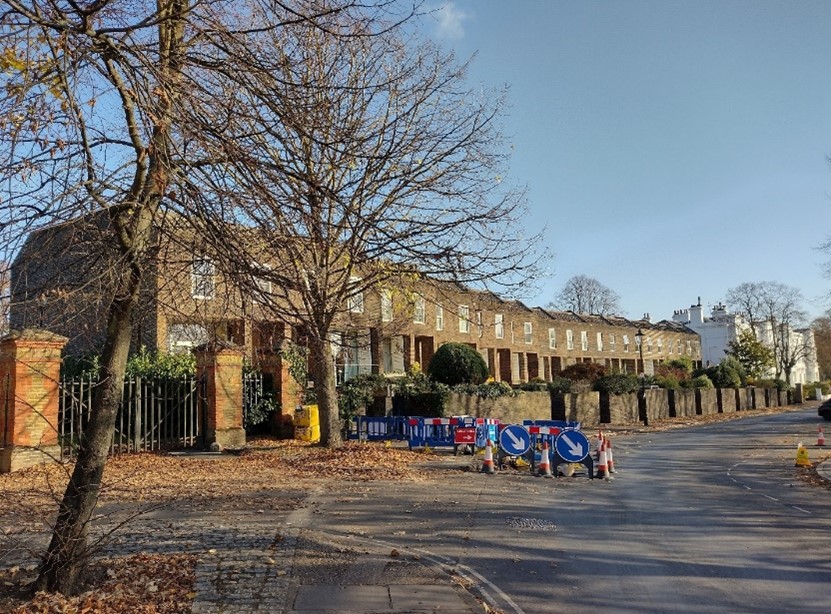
point(322, 368)
point(64, 562)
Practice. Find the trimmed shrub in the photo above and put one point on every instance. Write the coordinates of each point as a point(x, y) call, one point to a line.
point(701, 381)
point(457, 363)
point(560, 385)
point(488, 390)
point(617, 383)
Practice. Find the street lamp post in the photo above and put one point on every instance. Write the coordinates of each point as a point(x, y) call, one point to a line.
point(644, 416)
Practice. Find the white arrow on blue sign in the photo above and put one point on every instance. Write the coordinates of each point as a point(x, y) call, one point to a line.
point(514, 440)
point(572, 446)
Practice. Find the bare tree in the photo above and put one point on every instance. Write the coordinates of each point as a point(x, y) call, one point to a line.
point(93, 98)
point(583, 294)
point(746, 298)
point(774, 312)
point(366, 164)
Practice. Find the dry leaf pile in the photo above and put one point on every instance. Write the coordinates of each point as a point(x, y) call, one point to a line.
point(140, 584)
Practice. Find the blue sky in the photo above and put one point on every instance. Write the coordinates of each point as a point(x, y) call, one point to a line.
point(673, 149)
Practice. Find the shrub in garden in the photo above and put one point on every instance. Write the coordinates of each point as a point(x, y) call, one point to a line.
point(585, 371)
point(488, 390)
point(356, 396)
point(617, 383)
point(560, 385)
point(701, 381)
point(457, 363)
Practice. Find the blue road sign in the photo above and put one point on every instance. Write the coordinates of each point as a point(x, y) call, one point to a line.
point(514, 440)
point(572, 446)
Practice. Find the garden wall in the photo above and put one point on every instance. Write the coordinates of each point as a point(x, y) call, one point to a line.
point(593, 408)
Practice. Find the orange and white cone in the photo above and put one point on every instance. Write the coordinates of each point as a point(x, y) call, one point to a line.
point(602, 468)
point(544, 469)
point(487, 464)
point(610, 461)
point(820, 437)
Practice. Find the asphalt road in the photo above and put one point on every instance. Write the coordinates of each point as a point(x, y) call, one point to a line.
point(706, 519)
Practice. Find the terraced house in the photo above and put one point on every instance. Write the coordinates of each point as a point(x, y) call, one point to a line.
point(60, 282)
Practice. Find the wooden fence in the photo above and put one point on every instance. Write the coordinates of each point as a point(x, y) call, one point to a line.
point(155, 413)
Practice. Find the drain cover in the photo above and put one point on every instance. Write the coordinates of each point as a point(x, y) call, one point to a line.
point(538, 524)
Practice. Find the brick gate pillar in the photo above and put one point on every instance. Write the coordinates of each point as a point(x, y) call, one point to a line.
point(287, 392)
point(30, 370)
point(219, 366)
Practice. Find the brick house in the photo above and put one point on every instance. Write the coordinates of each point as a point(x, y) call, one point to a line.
point(61, 278)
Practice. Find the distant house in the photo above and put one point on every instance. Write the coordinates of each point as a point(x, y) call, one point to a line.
point(62, 284)
point(722, 327)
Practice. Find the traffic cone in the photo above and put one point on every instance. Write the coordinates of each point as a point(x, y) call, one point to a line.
point(610, 462)
point(802, 459)
point(545, 464)
point(820, 437)
point(487, 464)
point(602, 468)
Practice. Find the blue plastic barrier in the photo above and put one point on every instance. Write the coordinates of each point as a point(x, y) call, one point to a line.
point(379, 428)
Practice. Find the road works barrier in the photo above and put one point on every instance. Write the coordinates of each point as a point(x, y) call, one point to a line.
point(421, 432)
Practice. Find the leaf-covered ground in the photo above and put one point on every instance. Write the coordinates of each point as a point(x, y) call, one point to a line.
point(162, 583)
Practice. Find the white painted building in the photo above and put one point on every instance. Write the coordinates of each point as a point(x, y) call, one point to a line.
point(721, 327)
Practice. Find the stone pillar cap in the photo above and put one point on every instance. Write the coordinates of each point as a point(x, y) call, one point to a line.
point(34, 334)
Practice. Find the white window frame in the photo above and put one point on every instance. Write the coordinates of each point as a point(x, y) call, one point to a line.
point(612, 342)
point(660, 343)
point(439, 317)
point(263, 285)
point(464, 319)
point(386, 306)
point(355, 302)
point(569, 339)
point(599, 342)
point(203, 278)
point(625, 343)
point(528, 332)
point(689, 348)
point(419, 310)
point(584, 340)
point(499, 325)
point(552, 338)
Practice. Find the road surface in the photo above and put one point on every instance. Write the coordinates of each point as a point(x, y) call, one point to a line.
point(705, 519)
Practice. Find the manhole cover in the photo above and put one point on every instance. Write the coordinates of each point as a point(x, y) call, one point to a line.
point(537, 524)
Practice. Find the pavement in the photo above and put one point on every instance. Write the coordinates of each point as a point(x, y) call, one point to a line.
point(279, 553)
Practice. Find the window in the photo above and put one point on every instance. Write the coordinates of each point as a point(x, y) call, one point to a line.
point(552, 338)
point(499, 326)
point(262, 281)
point(599, 342)
point(418, 310)
point(479, 327)
point(625, 343)
point(464, 319)
point(386, 306)
point(439, 317)
point(355, 302)
point(584, 340)
point(612, 343)
point(649, 345)
point(202, 278)
point(660, 346)
point(569, 340)
point(689, 347)
point(528, 330)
